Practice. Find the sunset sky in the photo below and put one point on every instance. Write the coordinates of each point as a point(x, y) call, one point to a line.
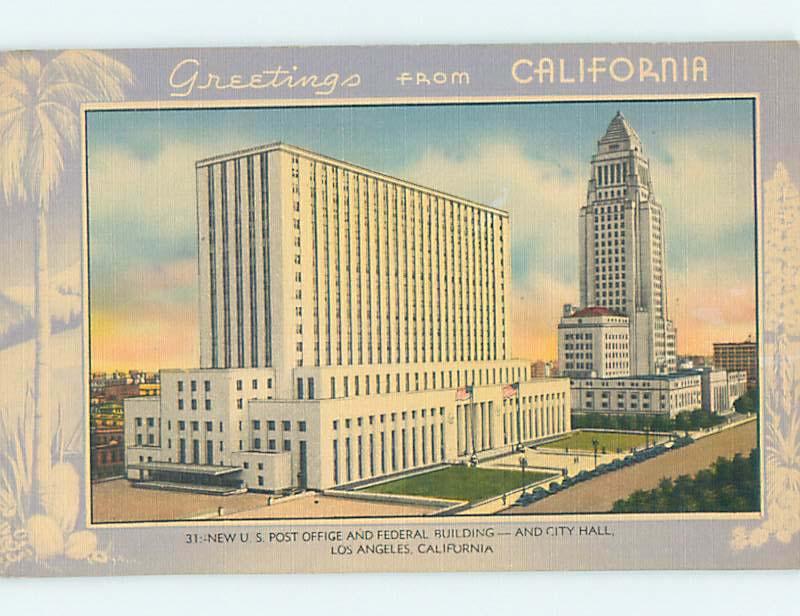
point(530, 159)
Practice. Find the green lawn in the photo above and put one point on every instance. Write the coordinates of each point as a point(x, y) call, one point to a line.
point(459, 483)
point(612, 441)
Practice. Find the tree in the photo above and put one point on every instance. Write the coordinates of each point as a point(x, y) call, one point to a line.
point(39, 127)
point(748, 402)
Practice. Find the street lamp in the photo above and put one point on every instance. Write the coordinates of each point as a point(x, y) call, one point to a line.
point(523, 463)
point(595, 444)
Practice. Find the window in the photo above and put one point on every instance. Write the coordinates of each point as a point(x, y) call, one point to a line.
point(287, 445)
point(261, 466)
point(239, 403)
point(194, 404)
point(195, 425)
point(180, 385)
point(194, 385)
point(256, 424)
point(271, 424)
point(238, 385)
point(299, 389)
point(138, 422)
point(207, 386)
point(255, 384)
point(180, 404)
point(151, 439)
point(181, 425)
point(260, 480)
point(301, 426)
point(208, 404)
point(209, 426)
point(271, 444)
point(256, 443)
point(287, 425)
point(151, 422)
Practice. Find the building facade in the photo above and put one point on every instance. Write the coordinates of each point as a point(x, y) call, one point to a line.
point(661, 394)
point(622, 248)
point(352, 325)
point(593, 342)
point(736, 356)
point(709, 389)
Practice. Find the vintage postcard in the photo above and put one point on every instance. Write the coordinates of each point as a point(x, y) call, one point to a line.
point(428, 308)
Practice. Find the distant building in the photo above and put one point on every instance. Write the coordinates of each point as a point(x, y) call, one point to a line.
point(688, 362)
point(712, 390)
point(544, 369)
point(715, 390)
point(737, 385)
point(107, 440)
point(734, 356)
point(660, 394)
point(593, 342)
point(149, 389)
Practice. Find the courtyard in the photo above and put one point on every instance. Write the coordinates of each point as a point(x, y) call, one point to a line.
point(583, 440)
point(463, 483)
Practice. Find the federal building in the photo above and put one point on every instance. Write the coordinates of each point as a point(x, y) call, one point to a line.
point(353, 325)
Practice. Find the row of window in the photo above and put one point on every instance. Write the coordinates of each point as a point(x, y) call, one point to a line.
point(348, 422)
point(207, 385)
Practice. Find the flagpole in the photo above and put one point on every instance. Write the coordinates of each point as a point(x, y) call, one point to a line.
point(519, 409)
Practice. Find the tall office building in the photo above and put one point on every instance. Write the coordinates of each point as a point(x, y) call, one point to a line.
point(622, 256)
point(736, 356)
point(308, 262)
point(353, 325)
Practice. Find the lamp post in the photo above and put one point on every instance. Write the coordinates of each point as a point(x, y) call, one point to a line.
point(523, 462)
point(595, 444)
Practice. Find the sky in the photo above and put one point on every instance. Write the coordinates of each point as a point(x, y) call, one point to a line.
point(531, 159)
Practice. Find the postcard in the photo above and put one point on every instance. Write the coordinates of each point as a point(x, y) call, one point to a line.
point(432, 308)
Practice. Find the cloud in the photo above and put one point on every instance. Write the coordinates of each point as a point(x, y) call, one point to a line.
point(141, 207)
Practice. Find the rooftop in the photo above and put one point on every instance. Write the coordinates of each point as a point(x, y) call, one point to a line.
point(279, 145)
point(619, 130)
point(596, 311)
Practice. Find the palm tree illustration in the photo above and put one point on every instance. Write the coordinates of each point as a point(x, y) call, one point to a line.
point(39, 128)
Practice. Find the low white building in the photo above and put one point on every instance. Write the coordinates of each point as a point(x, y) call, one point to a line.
point(737, 385)
point(661, 394)
point(593, 342)
point(217, 428)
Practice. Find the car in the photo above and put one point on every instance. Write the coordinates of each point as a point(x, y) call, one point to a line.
point(539, 493)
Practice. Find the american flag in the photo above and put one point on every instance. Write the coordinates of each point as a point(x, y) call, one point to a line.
point(464, 393)
point(509, 391)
